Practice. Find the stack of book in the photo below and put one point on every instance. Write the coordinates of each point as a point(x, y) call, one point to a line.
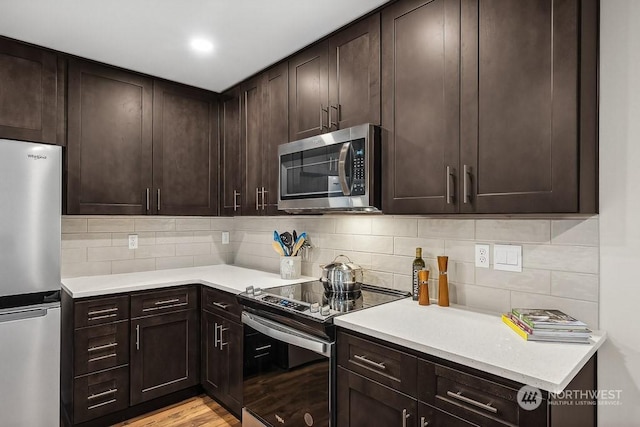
point(547, 325)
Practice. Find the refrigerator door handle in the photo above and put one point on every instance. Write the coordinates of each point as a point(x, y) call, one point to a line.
point(22, 314)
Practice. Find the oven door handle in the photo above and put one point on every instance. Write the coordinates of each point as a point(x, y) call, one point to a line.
point(286, 334)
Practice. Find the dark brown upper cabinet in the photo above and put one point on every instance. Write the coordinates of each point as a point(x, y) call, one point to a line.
point(420, 105)
point(29, 93)
point(185, 150)
point(230, 161)
point(336, 83)
point(109, 141)
point(251, 145)
point(489, 106)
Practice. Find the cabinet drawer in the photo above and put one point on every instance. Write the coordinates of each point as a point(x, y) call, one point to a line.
point(164, 301)
point(100, 394)
point(434, 417)
point(101, 310)
point(221, 302)
point(386, 365)
point(475, 399)
point(101, 347)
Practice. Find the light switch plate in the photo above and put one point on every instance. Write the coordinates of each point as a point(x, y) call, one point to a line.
point(507, 257)
point(482, 256)
point(225, 237)
point(133, 241)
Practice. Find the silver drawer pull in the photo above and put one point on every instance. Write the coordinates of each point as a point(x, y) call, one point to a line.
point(105, 311)
point(258, 356)
point(485, 406)
point(106, 316)
point(108, 356)
point(167, 301)
point(264, 347)
point(104, 393)
point(369, 362)
point(405, 416)
point(102, 347)
point(108, 402)
point(423, 422)
point(221, 305)
point(162, 307)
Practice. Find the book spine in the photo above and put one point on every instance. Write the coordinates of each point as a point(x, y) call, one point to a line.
point(523, 318)
point(521, 324)
point(507, 320)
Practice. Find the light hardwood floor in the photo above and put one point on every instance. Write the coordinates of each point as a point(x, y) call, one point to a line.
point(195, 412)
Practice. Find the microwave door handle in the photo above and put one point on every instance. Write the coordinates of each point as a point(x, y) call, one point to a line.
point(342, 169)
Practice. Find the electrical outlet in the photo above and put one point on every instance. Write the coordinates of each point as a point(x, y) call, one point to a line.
point(482, 256)
point(225, 237)
point(133, 241)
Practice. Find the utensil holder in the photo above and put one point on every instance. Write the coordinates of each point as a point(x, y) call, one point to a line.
point(290, 267)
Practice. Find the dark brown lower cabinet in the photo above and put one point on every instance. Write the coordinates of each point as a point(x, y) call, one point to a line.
point(101, 393)
point(434, 417)
point(164, 354)
point(222, 360)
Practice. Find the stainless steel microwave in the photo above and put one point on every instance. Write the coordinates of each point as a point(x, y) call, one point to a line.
point(336, 171)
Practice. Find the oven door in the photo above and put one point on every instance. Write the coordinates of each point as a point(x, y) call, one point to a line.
point(287, 375)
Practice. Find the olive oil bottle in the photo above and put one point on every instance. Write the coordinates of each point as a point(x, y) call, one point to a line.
point(418, 264)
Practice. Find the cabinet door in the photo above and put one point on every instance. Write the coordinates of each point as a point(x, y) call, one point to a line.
point(420, 106)
point(109, 145)
point(364, 403)
point(165, 354)
point(213, 359)
point(308, 92)
point(230, 168)
point(185, 150)
point(433, 417)
point(251, 137)
point(519, 108)
point(275, 125)
point(231, 338)
point(354, 75)
point(28, 93)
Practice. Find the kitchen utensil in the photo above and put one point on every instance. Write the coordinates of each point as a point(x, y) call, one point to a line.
point(295, 237)
point(278, 248)
point(287, 239)
point(276, 238)
point(299, 243)
point(341, 277)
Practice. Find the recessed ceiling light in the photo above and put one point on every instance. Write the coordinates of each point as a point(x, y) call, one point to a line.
point(201, 45)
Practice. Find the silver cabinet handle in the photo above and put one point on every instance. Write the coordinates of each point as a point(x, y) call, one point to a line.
point(466, 192)
point(148, 198)
point(158, 200)
point(423, 422)
point(102, 347)
point(108, 310)
point(221, 305)
point(405, 416)
point(215, 335)
point(369, 362)
point(104, 393)
point(342, 169)
point(222, 344)
point(137, 337)
point(167, 301)
point(106, 316)
point(450, 193)
point(236, 194)
point(108, 356)
point(337, 108)
point(264, 347)
point(264, 198)
point(108, 402)
point(257, 197)
point(485, 406)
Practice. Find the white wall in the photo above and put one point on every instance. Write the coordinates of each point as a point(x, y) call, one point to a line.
point(619, 359)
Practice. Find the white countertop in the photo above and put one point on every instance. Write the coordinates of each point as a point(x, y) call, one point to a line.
point(474, 339)
point(227, 278)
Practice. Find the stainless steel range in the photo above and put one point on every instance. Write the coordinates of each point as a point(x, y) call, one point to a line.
point(289, 349)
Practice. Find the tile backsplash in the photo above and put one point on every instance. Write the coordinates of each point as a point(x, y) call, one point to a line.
point(560, 256)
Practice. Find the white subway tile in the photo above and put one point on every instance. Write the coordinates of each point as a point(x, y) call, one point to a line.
point(460, 250)
point(480, 297)
point(192, 224)
point(170, 237)
point(513, 230)
point(378, 278)
point(334, 241)
point(580, 259)
point(391, 226)
point(392, 263)
point(406, 246)
point(86, 240)
point(256, 223)
point(222, 223)
point(377, 244)
point(353, 225)
point(582, 310)
point(118, 225)
point(193, 249)
point(574, 285)
point(155, 251)
point(86, 269)
point(144, 239)
point(402, 282)
point(174, 262)
point(462, 229)
point(459, 272)
point(73, 255)
point(155, 224)
point(133, 265)
point(206, 237)
point(209, 259)
point(575, 232)
point(112, 253)
point(316, 225)
point(73, 225)
point(529, 280)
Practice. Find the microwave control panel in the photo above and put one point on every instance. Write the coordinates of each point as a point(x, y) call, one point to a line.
point(359, 167)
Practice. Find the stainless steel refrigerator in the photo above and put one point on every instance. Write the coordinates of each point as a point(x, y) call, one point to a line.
point(30, 205)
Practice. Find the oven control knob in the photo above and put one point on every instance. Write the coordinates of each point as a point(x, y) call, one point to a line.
point(250, 291)
point(257, 291)
point(324, 310)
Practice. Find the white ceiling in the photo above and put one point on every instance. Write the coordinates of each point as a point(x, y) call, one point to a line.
point(153, 36)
